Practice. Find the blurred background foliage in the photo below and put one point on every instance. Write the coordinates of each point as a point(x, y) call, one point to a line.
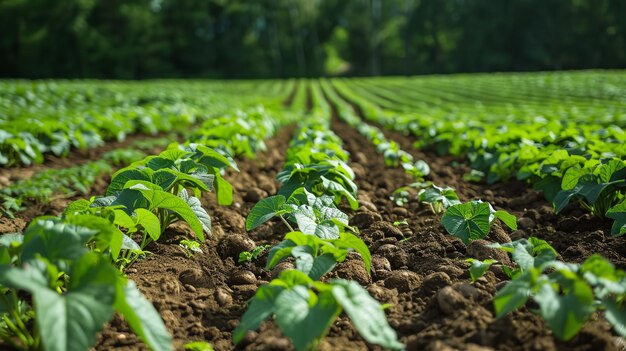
point(136, 39)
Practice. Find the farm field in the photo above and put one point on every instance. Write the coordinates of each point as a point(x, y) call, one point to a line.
point(456, 212)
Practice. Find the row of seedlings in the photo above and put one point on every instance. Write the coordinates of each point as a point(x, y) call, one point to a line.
point(315, 180)
point(594, 285)
point(72, 265)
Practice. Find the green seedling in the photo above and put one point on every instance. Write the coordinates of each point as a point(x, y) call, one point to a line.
point(248, 256)
point(473, 220)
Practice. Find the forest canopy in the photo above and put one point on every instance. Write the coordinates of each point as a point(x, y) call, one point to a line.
point(138, 39)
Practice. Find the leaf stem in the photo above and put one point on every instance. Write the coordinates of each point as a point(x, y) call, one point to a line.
point(286, 223)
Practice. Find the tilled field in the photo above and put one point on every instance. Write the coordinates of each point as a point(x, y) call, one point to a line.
point(417, 268)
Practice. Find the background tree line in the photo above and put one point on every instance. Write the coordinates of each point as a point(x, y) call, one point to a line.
point(133, 39)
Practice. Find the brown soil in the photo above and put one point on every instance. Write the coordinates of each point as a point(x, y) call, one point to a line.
point(418, 269)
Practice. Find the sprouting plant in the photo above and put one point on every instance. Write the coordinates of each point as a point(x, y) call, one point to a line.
point(401, 222)
point(438, 198)
point(567, 293)
point(190, 246)
point(248, 256)
point(199, 346)
point(472, 220)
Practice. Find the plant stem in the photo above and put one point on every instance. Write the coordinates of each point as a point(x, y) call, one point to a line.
point(286, 223)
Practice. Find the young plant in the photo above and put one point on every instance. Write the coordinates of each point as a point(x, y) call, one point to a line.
point(317, 256)
point(50, 276)
point(597, 188)
point(567, 294)
point(305, 309)
point(248, 256)
point(312, 214)
point(439, 199)
point(190, 246)
point(478, 268)
point(473, 220)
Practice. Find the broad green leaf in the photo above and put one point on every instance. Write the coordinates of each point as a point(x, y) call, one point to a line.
point(149, 222)
point(265, 210)
point(618, 214)
point(322, 265)
point(164, 200)
point(302, 321)
point(565, 314)
point(468, 221)
point(514, 294)
point(304, 258)
point(366, 314)
point(142, 317)
point(351, 241)
point(55, 240)
point(478, 268)
point(121, 177)
point(260, 308)
point(71, 321)
point(279, 252)
point(195, 204)
point(506, 218)
point(616, 315)
point(223, 190)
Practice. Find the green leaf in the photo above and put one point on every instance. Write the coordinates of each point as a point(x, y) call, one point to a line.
point(302, 321)
point(366, 314)
point(121, 177)
point(55, 240)
point(71, 321)
point(322, 265)
point(565, 314)
point(506, 218)
point(468, 221)
point(616, 315)
point(142, 317)
point(618, 213)
point(514, 294)
point(149, 222)
point(478, 268)
point(164, 200)
point(265, 210)
point(351, 241)
point(279, 252)
point(195, 204)
point(223, 190)
point(260, 308)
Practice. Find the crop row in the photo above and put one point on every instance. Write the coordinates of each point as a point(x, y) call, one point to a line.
point(70, 265)
point(569, 162)
point(53, 117)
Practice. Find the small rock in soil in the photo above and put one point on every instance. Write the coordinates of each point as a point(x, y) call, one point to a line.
point(198, 306)
point(193, 276)
point(281, 267)
point(360, 157)
point(389, 229)
point(267, 184)
point(403, 281)
point(372, 236)
point(479, 249)
point(353, 270)
point(169, 286)
point(233, 220)
point(242, 278)
point(435, 281)
point(400, 211)
point(450, 300)
point(382, 294)
point(246, 291)
point(380, 263)
point(255, 195)
point(498, 234)
point(518, 234)
point(368, 205)
point(364, 220)
point(525, 223)
point(190, 288)
point(232, 245)
point(396, 255)
point(467, 290)
point(532, 214)
point(223, 297)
